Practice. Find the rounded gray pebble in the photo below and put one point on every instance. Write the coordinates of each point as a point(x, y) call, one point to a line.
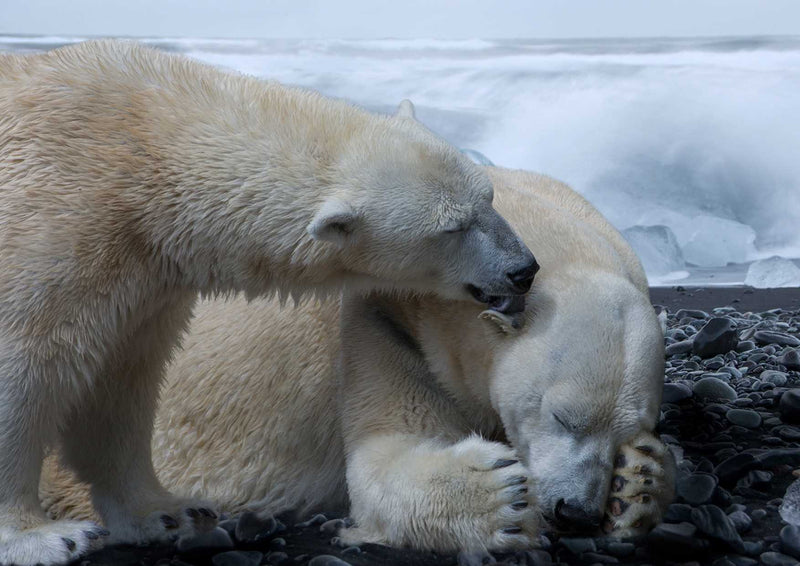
point(790, 540)
point(712, 388)
point(744, 417)
point(741, 521)
point(327, 560)
point(777, 559)
point(215, 539)
point(696, 489)
point(777, 378)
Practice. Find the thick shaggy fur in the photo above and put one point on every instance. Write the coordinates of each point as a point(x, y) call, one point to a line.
point(129, 181)
point(417, 410)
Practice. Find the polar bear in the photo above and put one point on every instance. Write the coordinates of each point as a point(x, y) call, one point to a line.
point(129, 181)
point(441, 426)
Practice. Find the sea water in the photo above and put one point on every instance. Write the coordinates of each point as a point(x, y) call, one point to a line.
point(691, 147)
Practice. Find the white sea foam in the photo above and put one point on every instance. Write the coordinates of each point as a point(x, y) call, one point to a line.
point(700, 136)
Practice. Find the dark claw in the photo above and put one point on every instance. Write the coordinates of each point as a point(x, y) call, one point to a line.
point(193, 513)
point(647, 450)
point(169, 522)
point(619, 461)
point(617, 483)
point(519, 490)
point(644, 470)
point(516, 480)
point(103, 532)
point(519, 505)
point(91, 535)
point(618, 506)
point(503, 464)
point(70, 543)
point(512, 530)
point(207, 512)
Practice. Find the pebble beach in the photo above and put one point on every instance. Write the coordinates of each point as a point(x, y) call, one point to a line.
point(730, 414)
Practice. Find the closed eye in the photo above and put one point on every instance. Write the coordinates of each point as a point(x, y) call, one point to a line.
point(455, 230)
point(560, 421)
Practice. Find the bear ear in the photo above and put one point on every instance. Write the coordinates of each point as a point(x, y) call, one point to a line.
point(334, 222)
point(406, 110)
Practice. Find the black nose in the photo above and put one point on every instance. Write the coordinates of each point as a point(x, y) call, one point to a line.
point(575, 518)
point(522, 279)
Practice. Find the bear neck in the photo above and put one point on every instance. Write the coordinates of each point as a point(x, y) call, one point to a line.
point(238, 181)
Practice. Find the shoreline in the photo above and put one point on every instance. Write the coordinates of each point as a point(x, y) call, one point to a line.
point(742, 298)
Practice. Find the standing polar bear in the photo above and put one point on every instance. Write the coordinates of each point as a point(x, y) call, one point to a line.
point(445, 430)
point(129, 181)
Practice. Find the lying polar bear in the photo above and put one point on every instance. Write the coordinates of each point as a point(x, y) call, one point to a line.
point(447, 428)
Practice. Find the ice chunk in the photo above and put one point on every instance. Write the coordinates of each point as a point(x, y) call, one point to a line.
point(656, 247)
point(773, 272)
point(716, 242)
point(790, 508)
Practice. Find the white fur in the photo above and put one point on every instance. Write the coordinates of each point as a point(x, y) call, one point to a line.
point(129, 181)
point(406, 410)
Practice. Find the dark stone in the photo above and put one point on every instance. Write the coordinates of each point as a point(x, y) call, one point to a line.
point(789, 406)
point(215, 539)
point(579, 545)
point(677, 539)
point(741, 521)
point(790, 540)
point(678, 513)
point(777, 559)
point(252, 528)
point(537, 558)
point(713, 521)
point(712, 388)
point(790, 359)
point(718, 336)
point(674, 392)
point(621, 549)
point(277, 557)
point(473, 558)
point(331, 527)
point(238, 558)
point(755, 478)
point(696, 489)
point(682, 347)
point(744, 417)
point(689, 313)
point(777, 378)
point(317, 519)
point(595, 558)
point(772, 337)
point(328, 560)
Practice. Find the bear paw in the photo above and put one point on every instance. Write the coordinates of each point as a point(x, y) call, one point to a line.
point(642, 486)
point(473, 495)
point(54, 542)
point(174, 518)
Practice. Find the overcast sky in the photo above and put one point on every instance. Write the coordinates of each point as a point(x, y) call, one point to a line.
point(401, 18)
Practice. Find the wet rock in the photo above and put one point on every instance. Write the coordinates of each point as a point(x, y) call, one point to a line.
point(772, 337)
point(712, 388)
point(790, 540)
point(718, 336)
point(676, 539)
point(578, 545)
point(741, 521)
point(327, 560)
point(678, 513)
point(682, 347)
point(789, 406)
point(331, 527)
point(790, 359)
point(675, 392)
point(777, 378)
point(215, 539)
point(777, 559)
point(537, 558)
point(713, 521)
point(744, 417)
point(696, 489)
point(277, 557)
point(237, 558)
point(253, 527)
point(621, 549)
